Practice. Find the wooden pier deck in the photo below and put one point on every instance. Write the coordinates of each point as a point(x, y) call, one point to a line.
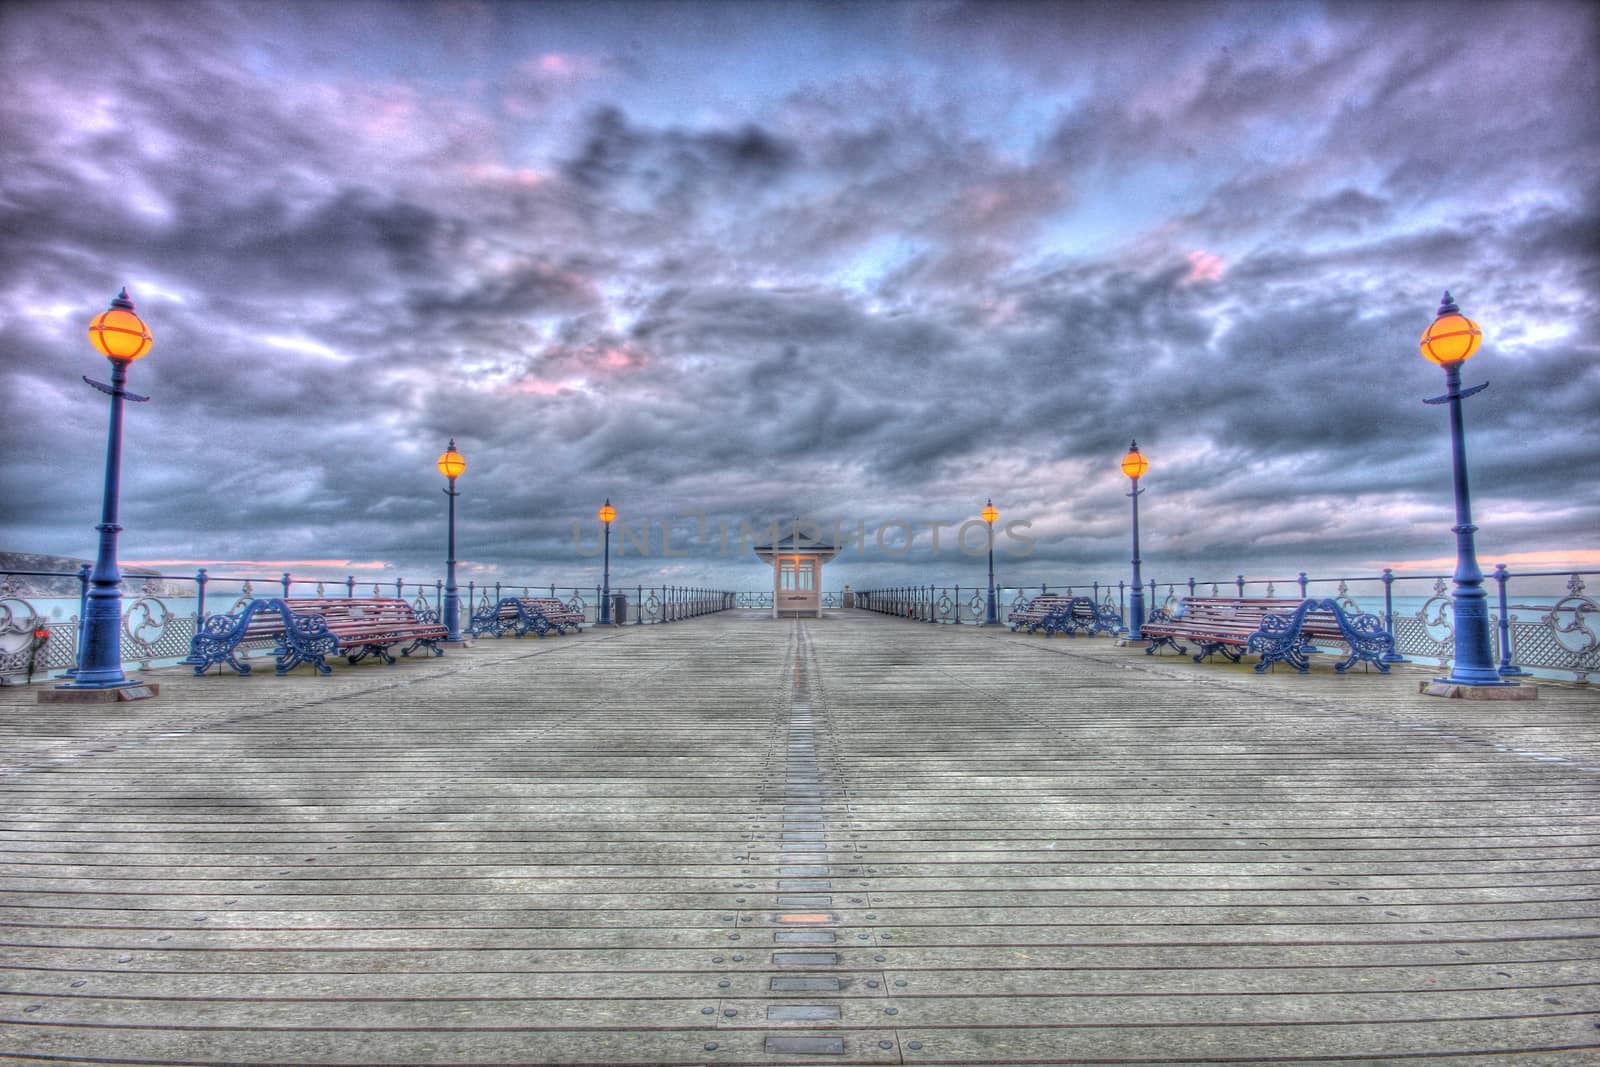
point(850, 840)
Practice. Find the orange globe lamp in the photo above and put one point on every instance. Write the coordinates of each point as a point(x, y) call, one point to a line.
point(1451, 337)
point(1134, 464)
point(608, 514)
point(118, 333)
point(451, 462)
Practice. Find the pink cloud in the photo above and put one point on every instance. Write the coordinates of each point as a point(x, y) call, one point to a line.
point(1553, 559)
point(1203, 267)
point(539, 386)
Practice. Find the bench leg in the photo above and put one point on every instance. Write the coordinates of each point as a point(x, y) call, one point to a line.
point(354, 656)
point(204, 661)
point(1164, 642)
point(1358, 655)
point(422, 642)
point(1290, 652)
point(1212, 648)
point(290, 657)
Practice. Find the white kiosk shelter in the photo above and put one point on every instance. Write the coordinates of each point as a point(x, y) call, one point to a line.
point(796, 573)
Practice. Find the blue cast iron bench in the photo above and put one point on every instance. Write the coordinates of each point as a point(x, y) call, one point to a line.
point(1054, 614)
point(1276, 629)
point(524, 615)
point(310, 629)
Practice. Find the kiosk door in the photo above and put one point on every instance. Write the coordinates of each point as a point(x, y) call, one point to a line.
point(797, 585)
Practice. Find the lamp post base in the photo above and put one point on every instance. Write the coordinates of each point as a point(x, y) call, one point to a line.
point(464, 642)
point(1125, 641)
point(1444, 687)
point(67, 694)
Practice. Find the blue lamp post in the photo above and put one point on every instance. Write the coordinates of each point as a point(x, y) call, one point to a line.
point(122, 337)
point(607, 514)
point(451, 465)
point(1450, 341)
point(990, 513)
point(1134, 465)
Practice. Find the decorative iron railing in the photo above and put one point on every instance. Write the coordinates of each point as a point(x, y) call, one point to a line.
point(1545, 622)
point(40, 620)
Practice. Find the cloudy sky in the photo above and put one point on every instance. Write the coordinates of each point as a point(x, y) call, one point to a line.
point(863, 263)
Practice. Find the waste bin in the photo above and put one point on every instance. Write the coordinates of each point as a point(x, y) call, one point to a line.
point(619, 608)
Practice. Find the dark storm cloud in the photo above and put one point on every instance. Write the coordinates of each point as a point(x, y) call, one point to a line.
point(891, 284)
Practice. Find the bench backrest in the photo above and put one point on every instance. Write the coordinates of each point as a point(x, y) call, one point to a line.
point(1241, 610)
point(345, 611)
point(550, 605)
point(1049, 602)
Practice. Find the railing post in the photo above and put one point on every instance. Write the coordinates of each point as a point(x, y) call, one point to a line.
point(83, 617)
point(438, 597)
point(200, 581)
point(497, 597)
point(1388, 616)
point(638, 607)
point(1507, 669)
point(285, 580)
point(1191, 585)
point(1240, 580)
point(1122, 607)
point(350, 585)
point(400, 588)
point(1302, 580)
